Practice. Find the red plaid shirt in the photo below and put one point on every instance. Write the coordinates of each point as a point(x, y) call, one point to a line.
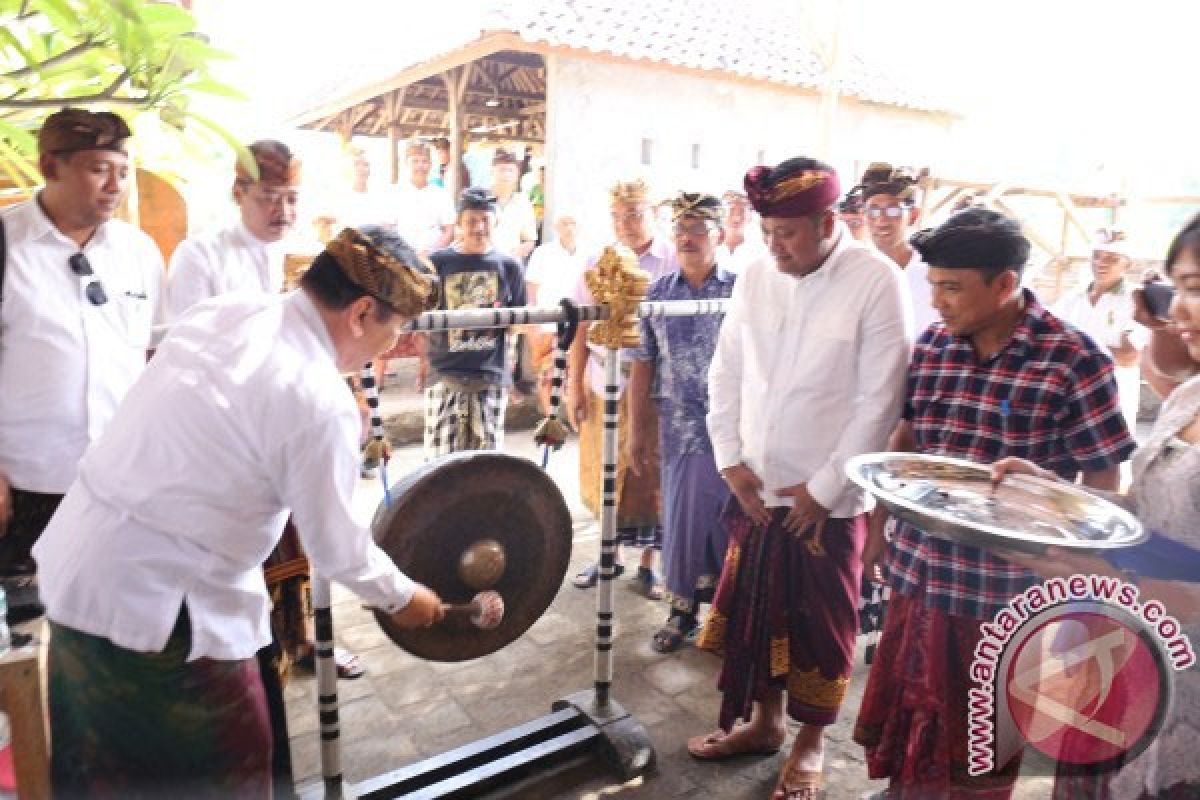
point(1048, 396)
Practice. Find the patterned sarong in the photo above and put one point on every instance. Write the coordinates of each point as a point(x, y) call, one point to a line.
point(785, 615)
point(130, 725)
point(31, 513)
point(637, 495)
point(914, 716)
point(694, 538)
point(463, 416)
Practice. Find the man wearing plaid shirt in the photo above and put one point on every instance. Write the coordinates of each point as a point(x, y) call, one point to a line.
point(1000, 376)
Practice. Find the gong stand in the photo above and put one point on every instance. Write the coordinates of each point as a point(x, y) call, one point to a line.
point(580, 725)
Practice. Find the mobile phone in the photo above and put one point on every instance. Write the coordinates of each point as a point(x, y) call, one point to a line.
point(1158, 298)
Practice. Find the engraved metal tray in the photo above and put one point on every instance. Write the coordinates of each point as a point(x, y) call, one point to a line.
point(954, 499)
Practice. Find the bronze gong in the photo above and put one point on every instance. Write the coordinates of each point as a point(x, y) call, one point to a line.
point(474, 521)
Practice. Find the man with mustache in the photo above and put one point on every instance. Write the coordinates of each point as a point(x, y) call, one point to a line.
point(672, 367)
point(80, 293)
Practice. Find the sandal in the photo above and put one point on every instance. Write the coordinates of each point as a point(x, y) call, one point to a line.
point(348, 667)
point(588, 578)
point(716, 747)
point(798, 784)
point(670, 637)
point(648, 584)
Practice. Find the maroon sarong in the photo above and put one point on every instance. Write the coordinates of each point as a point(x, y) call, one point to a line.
point(914, 716)
point(785, 615)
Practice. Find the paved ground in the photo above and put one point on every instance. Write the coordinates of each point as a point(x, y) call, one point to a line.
point(405, 709)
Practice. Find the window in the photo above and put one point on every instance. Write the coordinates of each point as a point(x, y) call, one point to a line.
point(647, 152)
point(761, 156)
point(695, 156)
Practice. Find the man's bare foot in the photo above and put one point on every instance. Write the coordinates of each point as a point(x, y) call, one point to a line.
point(742, 740)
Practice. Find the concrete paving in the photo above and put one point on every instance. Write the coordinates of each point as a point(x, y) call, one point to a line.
point(406, 709)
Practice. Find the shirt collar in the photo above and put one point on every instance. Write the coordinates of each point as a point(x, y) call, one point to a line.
point(718, 275)
point(1117, 289)
point(299, 300)
point(1023, 338)
point(250, 239)
point(39, 225)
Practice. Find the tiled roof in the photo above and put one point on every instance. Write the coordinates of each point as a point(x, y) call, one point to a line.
point(770, 40)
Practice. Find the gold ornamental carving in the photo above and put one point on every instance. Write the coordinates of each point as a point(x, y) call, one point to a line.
point(616, 281)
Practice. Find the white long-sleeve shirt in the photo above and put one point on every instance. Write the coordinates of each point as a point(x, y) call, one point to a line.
point(65, 363)
point(809, 372)
point(229, 260)
point(241, 417)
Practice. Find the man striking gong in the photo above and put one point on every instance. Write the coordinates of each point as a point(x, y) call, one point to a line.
point(151, 567)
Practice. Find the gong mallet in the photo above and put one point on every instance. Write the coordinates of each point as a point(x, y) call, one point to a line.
point(486, 610)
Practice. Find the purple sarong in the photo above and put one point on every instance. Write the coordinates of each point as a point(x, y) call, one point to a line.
point(694, 538)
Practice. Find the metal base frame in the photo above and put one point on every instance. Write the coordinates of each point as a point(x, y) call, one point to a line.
point(576, 729)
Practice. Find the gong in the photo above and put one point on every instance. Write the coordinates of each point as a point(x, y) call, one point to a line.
point(469, 522)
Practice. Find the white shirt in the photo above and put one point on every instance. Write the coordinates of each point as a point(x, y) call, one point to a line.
point(809, 372)
point(421, 214)
point(1111, 316)
point(920, 292)
point(65, 364)
point(372, 207)
point(1105, 322)
point(230, 260)
point(749, 251)
point(241, 417)
point(658, 260)
point(555, 272)
point(515, 223)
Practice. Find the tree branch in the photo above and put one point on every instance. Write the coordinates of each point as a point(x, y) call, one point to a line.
point(71, 52)
point(107, 96)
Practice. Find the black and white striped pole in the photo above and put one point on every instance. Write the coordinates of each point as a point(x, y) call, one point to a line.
point(327, 698)
point(598, 703)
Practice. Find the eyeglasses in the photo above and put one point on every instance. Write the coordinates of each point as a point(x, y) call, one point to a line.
point(629, 216)
point(691, 230)
point(94, 290)
point(891, 212)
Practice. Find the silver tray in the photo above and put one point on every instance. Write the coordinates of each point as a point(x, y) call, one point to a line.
point(954, 499)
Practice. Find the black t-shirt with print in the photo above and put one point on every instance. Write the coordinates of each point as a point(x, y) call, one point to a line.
point(491, 280)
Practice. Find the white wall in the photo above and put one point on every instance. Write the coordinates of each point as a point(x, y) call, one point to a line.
point(599, 112)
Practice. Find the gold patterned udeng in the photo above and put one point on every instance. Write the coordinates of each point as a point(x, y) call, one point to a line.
point(620, 284)
point(795, 184)
point(406, 290)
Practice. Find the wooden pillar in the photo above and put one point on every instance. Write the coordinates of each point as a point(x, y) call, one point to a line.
point(455, 80)
point(394, 151)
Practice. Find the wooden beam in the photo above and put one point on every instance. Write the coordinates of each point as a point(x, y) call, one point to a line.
point(485, 45)
point(1028, 230)
point(1069, 213)
point(945, 201)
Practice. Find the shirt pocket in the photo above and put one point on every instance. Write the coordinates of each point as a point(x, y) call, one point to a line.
point(132, 314)
point(826, 353)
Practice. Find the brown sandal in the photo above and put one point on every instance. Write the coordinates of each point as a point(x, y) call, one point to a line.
point(798, 784)
point(715, 747)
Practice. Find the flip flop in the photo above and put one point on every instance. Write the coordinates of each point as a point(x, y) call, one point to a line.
point(588, 578)
point(714, 747)
point(670, 637)
point(648, 584)
point(805, 784)
point(348, 667)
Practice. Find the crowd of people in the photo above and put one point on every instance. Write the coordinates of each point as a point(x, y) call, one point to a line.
point(161, 497)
